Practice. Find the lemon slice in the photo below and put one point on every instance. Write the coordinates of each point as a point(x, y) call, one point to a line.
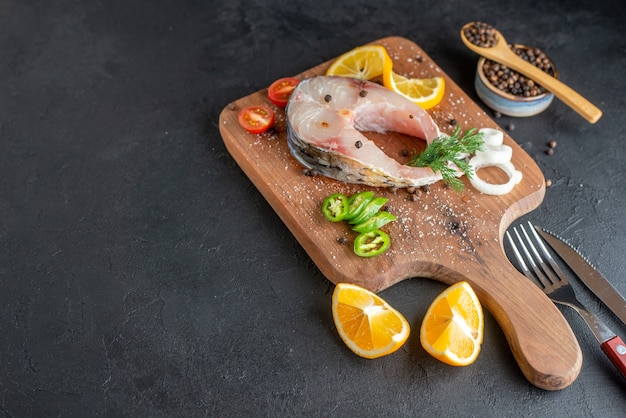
point(365, 63)
point(366, 323)
point(425, 92)
point(453, 327)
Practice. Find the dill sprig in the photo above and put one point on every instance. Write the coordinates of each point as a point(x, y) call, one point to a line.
point(450, 149)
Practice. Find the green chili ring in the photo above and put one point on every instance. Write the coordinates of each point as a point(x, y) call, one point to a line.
point(371, 243)
point(335, 207)
point(358, 202)
point(377, 221)
point(370, 210)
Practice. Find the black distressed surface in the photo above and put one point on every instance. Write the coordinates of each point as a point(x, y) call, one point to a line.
point(142, 274)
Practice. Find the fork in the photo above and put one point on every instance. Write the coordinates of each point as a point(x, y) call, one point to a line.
point(555, 285)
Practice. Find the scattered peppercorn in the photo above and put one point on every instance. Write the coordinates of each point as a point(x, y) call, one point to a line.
point(328, 98)
point(410, 116)
point(552, 144)
point(454, 226)
point(363, 93)
point(404, 152)
point(453, 122)
point(510, 127)
point(358, 144)
point(550, 151)
point(342, 240)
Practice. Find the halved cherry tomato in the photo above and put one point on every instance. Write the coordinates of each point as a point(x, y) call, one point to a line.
point(256, 119)
point(281, 89)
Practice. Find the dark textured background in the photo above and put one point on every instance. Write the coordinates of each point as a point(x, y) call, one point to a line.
point(142, 274)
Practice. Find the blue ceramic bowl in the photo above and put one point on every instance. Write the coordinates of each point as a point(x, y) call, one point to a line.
point(506, 103)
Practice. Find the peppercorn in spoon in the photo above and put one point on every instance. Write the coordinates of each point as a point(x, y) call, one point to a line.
point(488, 42)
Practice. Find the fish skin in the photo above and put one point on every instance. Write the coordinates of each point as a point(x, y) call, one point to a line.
point(325, 117)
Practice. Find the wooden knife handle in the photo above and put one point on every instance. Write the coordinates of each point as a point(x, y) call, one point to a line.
point(615, 350)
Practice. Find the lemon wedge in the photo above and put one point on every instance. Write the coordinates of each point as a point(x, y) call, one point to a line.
point(366, 323)
point(425, 92)
point(365, 63)
point(453, 327)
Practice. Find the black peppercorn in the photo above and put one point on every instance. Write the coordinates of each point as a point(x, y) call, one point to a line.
point(328, 98)
point(512, 82)
point(481, 34)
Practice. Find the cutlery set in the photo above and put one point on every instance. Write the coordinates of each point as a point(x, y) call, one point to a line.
point(536, 263)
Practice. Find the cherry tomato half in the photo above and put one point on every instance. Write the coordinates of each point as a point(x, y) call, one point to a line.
point(256, 119)
point(281, 89)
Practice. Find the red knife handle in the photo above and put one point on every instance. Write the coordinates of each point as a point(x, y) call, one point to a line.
point(615, 349)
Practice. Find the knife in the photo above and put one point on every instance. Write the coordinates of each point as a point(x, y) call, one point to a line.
point(588, 274)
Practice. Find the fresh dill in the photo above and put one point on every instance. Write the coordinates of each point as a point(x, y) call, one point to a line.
point(450, 149)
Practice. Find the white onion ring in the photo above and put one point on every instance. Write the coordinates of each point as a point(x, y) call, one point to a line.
point(497, 155)
point(491, 137)
point(482, 186)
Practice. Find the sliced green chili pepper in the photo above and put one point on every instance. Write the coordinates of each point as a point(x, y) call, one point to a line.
point(377, 221)
point(371, 243)
point(358, 201)
point(370, 210)
point(335, 207)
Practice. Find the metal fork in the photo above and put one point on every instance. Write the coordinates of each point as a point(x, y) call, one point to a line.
point(555, 285)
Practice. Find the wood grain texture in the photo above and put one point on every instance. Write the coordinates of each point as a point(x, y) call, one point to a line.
point(443, 235)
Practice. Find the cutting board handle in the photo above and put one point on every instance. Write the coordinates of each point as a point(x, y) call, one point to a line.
point(540, 338)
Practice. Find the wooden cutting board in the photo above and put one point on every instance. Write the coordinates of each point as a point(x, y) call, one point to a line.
point(440, 234)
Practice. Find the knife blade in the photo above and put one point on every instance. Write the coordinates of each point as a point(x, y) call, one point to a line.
point(587, 273)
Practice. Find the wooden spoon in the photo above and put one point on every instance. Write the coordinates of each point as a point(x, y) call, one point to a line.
point(502, 53)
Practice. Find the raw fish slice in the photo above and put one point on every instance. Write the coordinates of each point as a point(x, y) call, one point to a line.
point(325, 116)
